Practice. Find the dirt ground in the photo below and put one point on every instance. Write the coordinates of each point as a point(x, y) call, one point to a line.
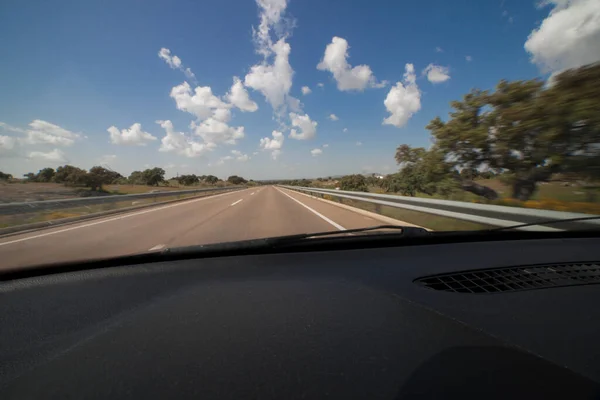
point(34, 191)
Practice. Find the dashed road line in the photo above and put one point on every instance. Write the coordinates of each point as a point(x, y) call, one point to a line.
point(233, 204)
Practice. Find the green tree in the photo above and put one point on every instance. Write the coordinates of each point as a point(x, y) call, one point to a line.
point(527, 130)
point(30, 177)
point(356, 183)
point(188, 179)
point(70, 175)
point(154, 176)
point(98, 176)
point(136, 178)
point(6, 177)
point(45, 175)
point(236, 180)
point(211, 179)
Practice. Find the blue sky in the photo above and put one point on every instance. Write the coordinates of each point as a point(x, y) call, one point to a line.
point(73, 69)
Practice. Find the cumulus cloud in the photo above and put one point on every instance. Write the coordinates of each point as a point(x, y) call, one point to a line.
point(359, 143)
point(200, 102)
point(306, 90)
point(333, 117)
point(469, 58)
point(273, 80)
point(216, 130)
point(403, 100)
point(307, 127)
point(134, 136)
point(439, 50)
point(325, 146)
point(345, 130)
point(436, 73)
point(238, 96)
point(239, 156)
point(316, 152)
point(175, 62)
point(347, 77)
point(320, 84)
point(568, 37)
point(8, 146)
point(273, 144)
point(43, 132)
point(54, 156)
point(180, 143)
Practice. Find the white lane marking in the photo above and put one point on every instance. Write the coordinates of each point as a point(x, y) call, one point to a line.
point(114, 219)
point(157, 247)
point(338, 226)
point(233, 204)
point(252, 194)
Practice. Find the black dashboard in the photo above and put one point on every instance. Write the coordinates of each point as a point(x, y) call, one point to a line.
point(320, 324)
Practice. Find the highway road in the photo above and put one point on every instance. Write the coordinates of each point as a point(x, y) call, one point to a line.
point(247, 214)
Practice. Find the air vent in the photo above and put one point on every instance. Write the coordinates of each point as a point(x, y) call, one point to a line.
point(514, 279)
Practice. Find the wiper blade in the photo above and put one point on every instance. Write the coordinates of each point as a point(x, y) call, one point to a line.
point(273, 242)
point(546, 222)
point(405, 231)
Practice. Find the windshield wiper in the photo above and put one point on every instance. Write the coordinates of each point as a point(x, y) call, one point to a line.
point(404, 230)
point(546, 222)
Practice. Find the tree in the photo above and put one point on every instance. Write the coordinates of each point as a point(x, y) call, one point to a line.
point(236, 180)
point(70, 175)
point(527, 130)
point(356, 183)
point(45, 175)
point(211, 179)
point(188, 179)
point(98, 176)
point(30, 176)
point(136, 178)
point(154, 176)
point(4, 176)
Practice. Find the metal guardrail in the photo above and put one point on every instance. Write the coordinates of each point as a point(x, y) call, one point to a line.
point(487, 214)
point(46, 205)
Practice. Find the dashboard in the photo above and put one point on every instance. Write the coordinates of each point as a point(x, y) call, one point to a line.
point(376, 323)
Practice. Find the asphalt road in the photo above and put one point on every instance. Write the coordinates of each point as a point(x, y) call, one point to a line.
point(246, 214)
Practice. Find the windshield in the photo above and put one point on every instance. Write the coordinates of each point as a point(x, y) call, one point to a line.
point(129, 127)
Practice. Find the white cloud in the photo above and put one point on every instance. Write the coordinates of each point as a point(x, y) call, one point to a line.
point(436, 73)
point(239, 156)
point(8, 145)
point(333, 117)
point(359, 143)
point(306, 90)
point(54, 156)
point(214, 131)
point(569, 37)
point(42, 132)
point(308, 128)
point(439, 50)
point(175, 62)
point(316, 152)
point(325, 146)
point(274, 80)
point(255, 153)
point(238, 96)
point(469, 58)
point(347, 77)
point(345, 130)
point(222, 160)
point(320, 84)
point(274, 144)
point(132, 136)
point(275, 154)
point(403, 100)
point(271, 13)
point(178, 142)
point(201, 102)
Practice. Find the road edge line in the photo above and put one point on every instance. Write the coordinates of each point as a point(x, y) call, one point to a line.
point(370, 214)
point(133, 213)
point(318, 214)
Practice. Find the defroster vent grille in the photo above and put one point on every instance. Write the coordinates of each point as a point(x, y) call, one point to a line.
point(514, 279)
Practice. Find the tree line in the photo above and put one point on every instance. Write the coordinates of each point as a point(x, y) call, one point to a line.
point(98, 176)
point(526, 131)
